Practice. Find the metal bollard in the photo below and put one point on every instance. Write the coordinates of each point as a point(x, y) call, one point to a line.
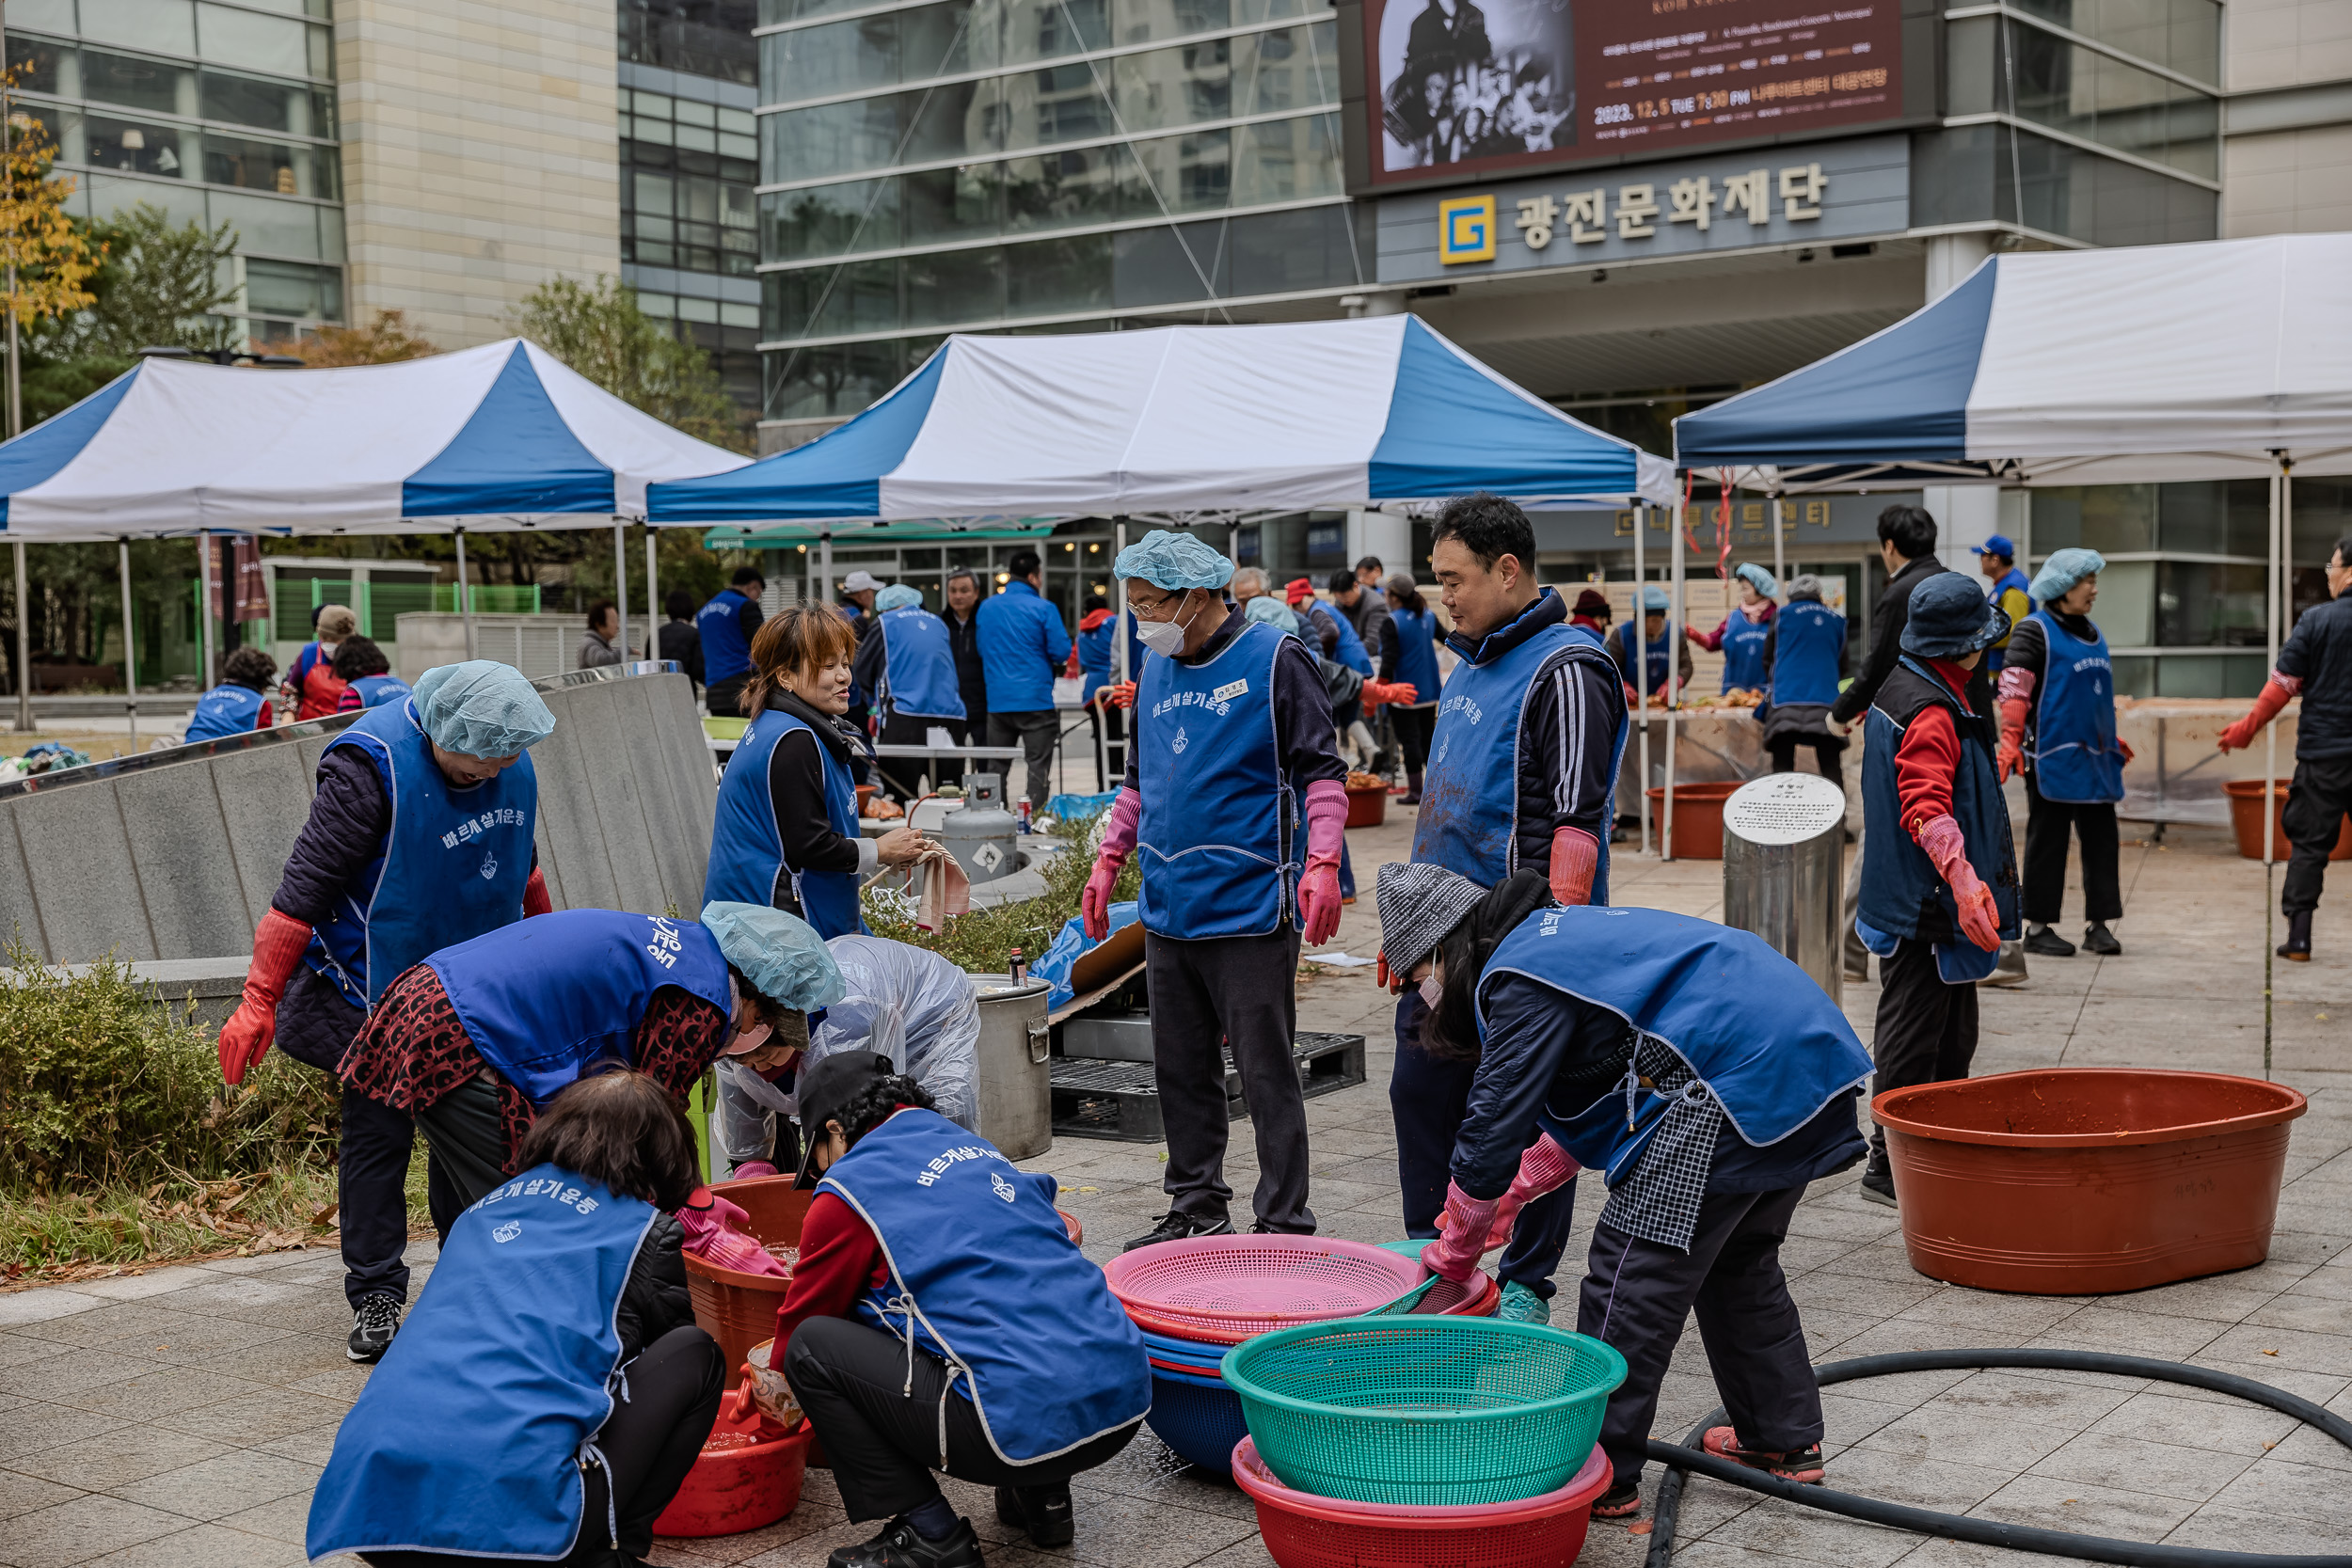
point(1784, 843)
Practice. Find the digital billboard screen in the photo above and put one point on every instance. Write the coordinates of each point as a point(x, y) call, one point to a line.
point(1470, 88)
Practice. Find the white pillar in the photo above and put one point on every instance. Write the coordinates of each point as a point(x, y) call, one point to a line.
point(1385, 534)
point(1950, 258)
point(1964, 515)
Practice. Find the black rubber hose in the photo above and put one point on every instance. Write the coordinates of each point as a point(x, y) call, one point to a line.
point(1686, 1456)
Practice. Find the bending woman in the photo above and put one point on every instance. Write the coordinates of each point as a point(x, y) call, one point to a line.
point(553, 1390)
point(1701, 1071)
point(946, 1321)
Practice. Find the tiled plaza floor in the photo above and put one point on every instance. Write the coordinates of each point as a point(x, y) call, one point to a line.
point(181, 1417)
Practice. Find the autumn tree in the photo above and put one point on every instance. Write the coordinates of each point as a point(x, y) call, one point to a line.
point(383, 340)
point(46, 260)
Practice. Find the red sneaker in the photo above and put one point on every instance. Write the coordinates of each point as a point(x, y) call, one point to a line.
point(1618, 1502)
point(1803, 1465)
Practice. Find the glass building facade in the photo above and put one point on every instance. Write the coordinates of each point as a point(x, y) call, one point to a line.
point(218, 113)
point(1045, 165)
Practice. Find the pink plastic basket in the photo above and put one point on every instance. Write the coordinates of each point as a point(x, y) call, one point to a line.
point(1304, 1531)
point(1216, 1287)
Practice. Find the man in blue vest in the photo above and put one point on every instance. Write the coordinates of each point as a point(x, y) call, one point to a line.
point(725, 625)
point(909, 675)
point(1939, 873)
point(1024, 645)
point(420, 836)
point(1804, 649)
point(1522, 777)
point(1998, 559)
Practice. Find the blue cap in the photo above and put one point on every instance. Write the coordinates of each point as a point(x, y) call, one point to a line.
point(1950, 618)
point(2000, 545)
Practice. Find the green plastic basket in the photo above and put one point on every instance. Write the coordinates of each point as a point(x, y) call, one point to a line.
point(1426, 1411)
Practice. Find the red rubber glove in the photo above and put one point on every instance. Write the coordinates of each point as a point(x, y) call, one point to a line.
point(535, 899)
point(2123, 746)
point(278, 944)
point(1575, 861)
point(1463, 1226)
point(1119, 694)
point(2241, 735)
point(1980, 917)
point(1377, 693)
point(1545, 1167)
point(2009, 758)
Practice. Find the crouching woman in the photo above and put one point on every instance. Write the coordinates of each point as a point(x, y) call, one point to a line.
point(550, 1390)
point(940, 1317)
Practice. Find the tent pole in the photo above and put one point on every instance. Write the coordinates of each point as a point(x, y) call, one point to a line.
point(1118, 651)
point(1629, 638)
point(130, 660)
point(620, 580)
point(1780, 544)
point(824, 568)
point(24, 645)
point(205, 607)
point(464, 594)
point(1674, 664)
point(653, 598)
point(2274, 614)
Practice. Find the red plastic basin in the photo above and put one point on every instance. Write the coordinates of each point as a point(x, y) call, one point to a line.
point(1302, 1531)
point(739, 1486)
point(2246, 821)
point(1698, 833)
point(2086, 1180)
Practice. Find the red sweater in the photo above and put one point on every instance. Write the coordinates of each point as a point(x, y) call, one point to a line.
point(840, 1259)
point(1929, 756)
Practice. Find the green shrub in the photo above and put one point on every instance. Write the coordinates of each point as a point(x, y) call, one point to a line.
point(983, 940)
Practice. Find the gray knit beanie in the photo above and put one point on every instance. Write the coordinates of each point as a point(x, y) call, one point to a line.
point(1420, 905)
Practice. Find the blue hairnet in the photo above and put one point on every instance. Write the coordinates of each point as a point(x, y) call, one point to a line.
point(896, 596)
point(778, 953)
point(482, 708)
point(1273, 611)
point(1653, 597)
point(1757, 578)
point(2062, 571)
point(1172, 561)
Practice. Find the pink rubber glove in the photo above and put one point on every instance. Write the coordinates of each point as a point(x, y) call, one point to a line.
point(1327, 834)
point(1980, 918)
point(751, 1168)
point(1575, 861)
point(1118, 841)
point(1545, 1167)
point(1462, 1230)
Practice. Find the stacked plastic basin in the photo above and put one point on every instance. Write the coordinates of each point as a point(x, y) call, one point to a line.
point(1195, 1300)
point(1402, 1440)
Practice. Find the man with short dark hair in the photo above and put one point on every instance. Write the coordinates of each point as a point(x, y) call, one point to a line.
point(725, 625)
point(677, 639)
point(963, 636)
point(1907, 545)
point(1371, 572)
point(1365, 606)
point(1522, 776)
point(1022, 647)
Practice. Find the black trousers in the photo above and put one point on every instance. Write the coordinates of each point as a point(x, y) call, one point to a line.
point(883, 1443)
point(650, 1442)
point(1429, 1096)
point(903, 776)
point(1827, 749)
point(1243, 992)
point(2316, 802)
point(1035, 733)
point(1414, 726)
point(1637, 1294)
point(371, 1195)
point(2046, 822)
point(1927, 1030)
point(467, 1138)
point(720, 698)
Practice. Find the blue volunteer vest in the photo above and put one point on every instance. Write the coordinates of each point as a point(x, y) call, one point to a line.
point(747, 851)
point(1469, 797)
point(544, 999)
point(471, 1434)
point(223, 711)
point(2075, 756)
point(454, 865)
point(1805, 650)
point(1417, 654)
point(1902, 893)
point(377, 691)
point(1214, 841)
point(985, 1277)
point(1769, 1047)
point(1743, 653)
point(1998, 655)
point(727, 652)
point(1349, 650)
point(921, 664)
point(1658, 656)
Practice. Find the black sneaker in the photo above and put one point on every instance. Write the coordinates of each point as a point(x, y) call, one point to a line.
point(1878, 1180)
point(2297, 947)
point(2049, 944)
point(372, 1326)
point(1042, 1510)
point(902, 1546)
point(1179, 1226)
point(2098, 938)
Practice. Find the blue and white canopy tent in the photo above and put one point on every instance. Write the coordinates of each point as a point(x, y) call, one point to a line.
point(494, 438)
point(2230, 359)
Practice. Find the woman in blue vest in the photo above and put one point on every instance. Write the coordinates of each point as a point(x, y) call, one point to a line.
point(1700, 1072)
point(367, 675)
point(1665, 658)
point(240, 702)
point(1409, 657)
point(727, 625)
point(476, 1040)
point(940, 1317)
point(420, 834)
point(910, 671)
point(2058, 727)
point(1804, 651)
point(553, 1390)
point(1742, 634)
point(785, 833)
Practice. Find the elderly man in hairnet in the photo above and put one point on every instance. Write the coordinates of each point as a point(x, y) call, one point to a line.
point(420, 835)
point(1235, 799)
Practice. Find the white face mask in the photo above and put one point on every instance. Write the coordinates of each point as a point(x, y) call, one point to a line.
point(1431, 989)
point(1166, 637)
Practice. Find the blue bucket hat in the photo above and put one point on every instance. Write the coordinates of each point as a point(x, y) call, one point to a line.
point(2064, 571)
point(1950, 618)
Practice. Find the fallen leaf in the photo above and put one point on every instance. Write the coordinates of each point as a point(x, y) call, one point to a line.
point(1641, 1529)
point(1089, 1189)
point(2270, 1353)
point(2067, 1500)
point(2272, 1444)
point(326, 1215)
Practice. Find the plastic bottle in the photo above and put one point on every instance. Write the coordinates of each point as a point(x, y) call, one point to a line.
point(1018, 967)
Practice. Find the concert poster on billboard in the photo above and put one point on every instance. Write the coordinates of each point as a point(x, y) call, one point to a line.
point(1473, 86)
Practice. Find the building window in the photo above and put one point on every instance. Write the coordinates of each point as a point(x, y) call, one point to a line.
point(701, 38)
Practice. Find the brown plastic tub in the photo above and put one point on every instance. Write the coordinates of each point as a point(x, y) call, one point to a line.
point(2245, 820)
point(739, 1309)
point(2086, 1180)
point(1698, 817)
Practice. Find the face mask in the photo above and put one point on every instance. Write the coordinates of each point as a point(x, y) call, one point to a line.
point(1166, 637)
point(1432, 989)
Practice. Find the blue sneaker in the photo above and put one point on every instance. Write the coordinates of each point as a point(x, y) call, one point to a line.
point(1522, 1306)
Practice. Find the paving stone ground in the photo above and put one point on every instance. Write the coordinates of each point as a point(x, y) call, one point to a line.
point(181, 1417)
